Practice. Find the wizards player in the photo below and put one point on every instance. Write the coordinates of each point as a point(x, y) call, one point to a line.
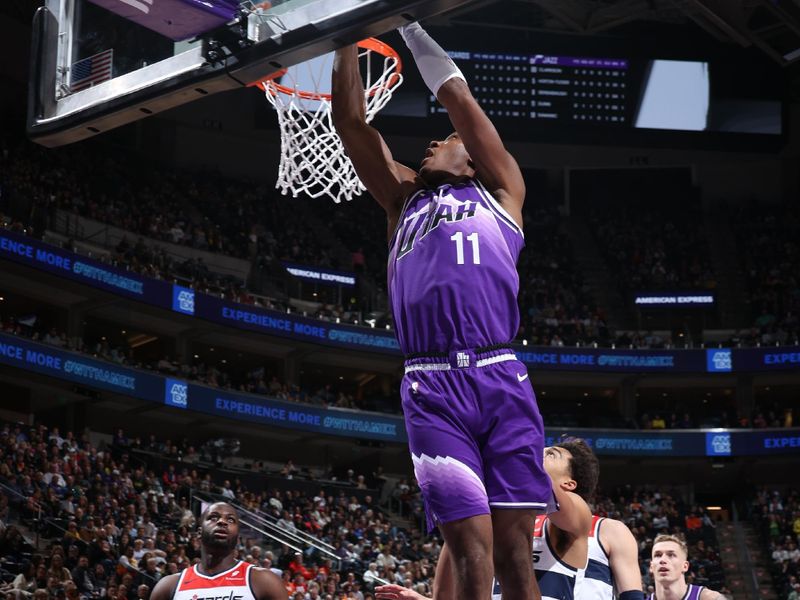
point(455, 230)
point(669, 562)
point(576, 556)
point(219, 574)
point(612, 568)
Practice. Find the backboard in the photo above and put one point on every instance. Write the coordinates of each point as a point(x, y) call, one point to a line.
point(99, 64)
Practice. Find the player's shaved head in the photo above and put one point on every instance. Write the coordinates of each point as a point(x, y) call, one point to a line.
point(219, 527)
point(217, 506)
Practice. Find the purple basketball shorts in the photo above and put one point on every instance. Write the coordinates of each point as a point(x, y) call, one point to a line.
point(475, 434)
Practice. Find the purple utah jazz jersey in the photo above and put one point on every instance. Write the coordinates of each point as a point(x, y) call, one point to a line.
point(453, 279)
point(692, 593)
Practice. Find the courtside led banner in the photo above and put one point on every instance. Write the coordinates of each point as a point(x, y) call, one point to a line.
point(320, 275)
point(77, 368)
point(713, 443)
point(179, 394)
point(185, 301)
point(673, 299)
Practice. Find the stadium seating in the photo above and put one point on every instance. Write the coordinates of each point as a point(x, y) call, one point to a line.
point(112, 515)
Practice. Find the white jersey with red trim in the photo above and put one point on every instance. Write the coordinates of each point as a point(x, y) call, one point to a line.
point(595, 581)
point(557, 580)
point(233, 584)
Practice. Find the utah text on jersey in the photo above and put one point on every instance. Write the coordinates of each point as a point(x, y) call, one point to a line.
point(421, 222)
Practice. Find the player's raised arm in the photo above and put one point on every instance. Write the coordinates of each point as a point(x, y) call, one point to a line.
point(495, 167)
point(573, 515)
point(623, 558)
point(388, 181)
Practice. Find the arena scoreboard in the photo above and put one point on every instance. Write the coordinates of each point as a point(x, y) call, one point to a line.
point(547, 88)
point(531, 93)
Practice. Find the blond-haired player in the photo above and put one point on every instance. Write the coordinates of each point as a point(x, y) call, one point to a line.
point(669, 563)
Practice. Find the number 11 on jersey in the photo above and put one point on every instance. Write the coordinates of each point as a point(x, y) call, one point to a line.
point(458, 238)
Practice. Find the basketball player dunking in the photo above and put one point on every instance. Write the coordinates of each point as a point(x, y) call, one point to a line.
point(577, 556)
point(219, 574)
point(669, 561)
point(455, 230)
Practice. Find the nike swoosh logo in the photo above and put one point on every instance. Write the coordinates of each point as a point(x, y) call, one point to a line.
point(522, 378)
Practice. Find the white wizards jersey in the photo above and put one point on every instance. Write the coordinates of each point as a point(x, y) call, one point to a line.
point(595, 582)
point(233, 584)
point(556, 579)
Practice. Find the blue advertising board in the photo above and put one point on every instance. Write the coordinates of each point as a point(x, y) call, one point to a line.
point(291, 415)
point(637, 443)
point(45, 257)
point(767, 359)
point(69, 366)
point(712, 443)
point(608, 360)
point(185, 301)
point(298, 328)
point(183, 395)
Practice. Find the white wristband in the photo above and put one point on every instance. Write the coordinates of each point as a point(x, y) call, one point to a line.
point(435, 66)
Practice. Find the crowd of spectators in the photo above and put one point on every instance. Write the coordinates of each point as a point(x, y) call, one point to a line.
point(555, 307)
point(767, 239)
point(201, 210)
point(258, 380)
point(649, 512)
point(777, 513)
point(213, 213)
point(108, 537)
point(646, 248)
point(114, 523)
point(651, 248)
point(197, 209)
point(766, 415)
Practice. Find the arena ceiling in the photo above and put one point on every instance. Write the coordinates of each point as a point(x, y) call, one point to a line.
point(772, 26)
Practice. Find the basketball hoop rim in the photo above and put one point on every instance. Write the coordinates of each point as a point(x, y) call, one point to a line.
point(373, 44)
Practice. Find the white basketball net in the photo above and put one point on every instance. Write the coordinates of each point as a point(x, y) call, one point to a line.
point(313, 160)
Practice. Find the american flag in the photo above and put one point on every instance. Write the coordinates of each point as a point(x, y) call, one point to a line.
point(92, 70)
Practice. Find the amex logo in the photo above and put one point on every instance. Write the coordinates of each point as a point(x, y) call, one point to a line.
point(718, 444)
point(719, 361)
point(182, 300)
point(176, 393)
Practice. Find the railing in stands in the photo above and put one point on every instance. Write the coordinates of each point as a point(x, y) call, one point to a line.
point(267, 526)
point(24, 498)
point(745, 557)
point(55, 524)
